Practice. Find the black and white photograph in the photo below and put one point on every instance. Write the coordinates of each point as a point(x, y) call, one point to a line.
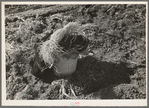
point(74, 52)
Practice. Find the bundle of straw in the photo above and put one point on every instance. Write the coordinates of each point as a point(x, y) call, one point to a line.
point(50, 51)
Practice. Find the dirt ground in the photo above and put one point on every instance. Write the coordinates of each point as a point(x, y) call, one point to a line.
point(117, 35)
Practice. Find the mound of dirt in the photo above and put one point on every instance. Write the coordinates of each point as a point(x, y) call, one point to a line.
point(117, 34)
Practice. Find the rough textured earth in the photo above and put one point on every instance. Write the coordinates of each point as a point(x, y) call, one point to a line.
point(117, 34)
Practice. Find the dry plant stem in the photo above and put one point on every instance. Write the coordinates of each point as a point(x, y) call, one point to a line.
point(64, 91)
point(72, 91)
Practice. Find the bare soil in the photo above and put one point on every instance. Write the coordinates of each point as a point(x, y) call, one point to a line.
point(117, 34)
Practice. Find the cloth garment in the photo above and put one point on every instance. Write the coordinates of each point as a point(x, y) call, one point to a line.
point(66, 66)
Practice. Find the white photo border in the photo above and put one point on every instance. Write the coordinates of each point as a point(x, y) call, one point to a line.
point(108, 102)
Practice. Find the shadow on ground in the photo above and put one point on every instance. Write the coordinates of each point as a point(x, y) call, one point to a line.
point(93, 74)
